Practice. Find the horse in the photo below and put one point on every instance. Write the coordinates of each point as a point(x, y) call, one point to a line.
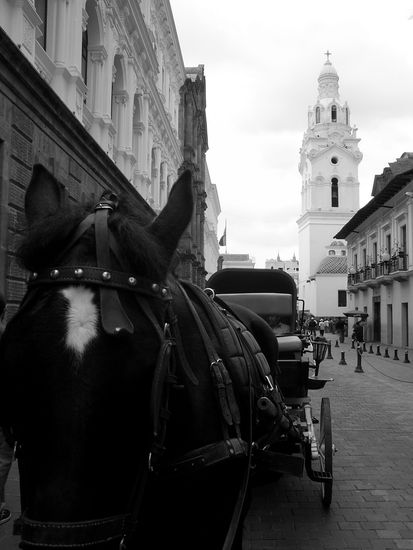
point(134, 424)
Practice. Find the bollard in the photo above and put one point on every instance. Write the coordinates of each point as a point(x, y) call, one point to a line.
point(329, 356)
point(386, 353)
point(406, 357)
point(359, 367)
point(378, 351)
point(352, 344)
point(395, 356)
point(336, 346)
point(342, 360)
point(364, 346)
point(371, 349)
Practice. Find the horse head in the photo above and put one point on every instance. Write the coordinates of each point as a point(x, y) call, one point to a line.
point(78, 392)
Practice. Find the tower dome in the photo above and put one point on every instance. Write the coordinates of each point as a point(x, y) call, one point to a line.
point(328, 81)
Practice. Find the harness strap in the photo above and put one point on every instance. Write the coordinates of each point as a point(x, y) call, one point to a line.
point(226, 398)
point(79, 534)
point(208, 455)
point(100, 276)
point(113, 316)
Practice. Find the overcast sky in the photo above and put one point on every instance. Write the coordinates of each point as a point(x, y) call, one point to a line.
point(262, 60)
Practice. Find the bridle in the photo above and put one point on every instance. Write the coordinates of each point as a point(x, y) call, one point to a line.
point(114, 319)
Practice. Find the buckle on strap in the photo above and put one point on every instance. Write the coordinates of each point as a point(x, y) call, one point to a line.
point(77, 534)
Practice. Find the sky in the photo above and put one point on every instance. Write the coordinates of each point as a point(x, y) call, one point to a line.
point(262, 60)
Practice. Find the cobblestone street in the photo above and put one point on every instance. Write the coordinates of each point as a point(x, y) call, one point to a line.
point(372, 504)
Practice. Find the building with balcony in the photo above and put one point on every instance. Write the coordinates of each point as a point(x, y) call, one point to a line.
point(380, 256)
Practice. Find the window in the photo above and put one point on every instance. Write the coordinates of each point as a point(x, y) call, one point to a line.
point(374, 255)
point(334, 192)
point(347, 116)
point(84, 55)
point(388, 243)
point(364, 253)
point(403, 239)
point(41, 9)
point(317, 115)
point(334, 160)
point(334, 113)
point(342, 298)
point(331, 252)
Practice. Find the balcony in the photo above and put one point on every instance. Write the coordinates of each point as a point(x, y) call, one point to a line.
point(382, 273)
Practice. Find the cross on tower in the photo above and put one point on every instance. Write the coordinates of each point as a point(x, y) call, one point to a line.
point(327, 53)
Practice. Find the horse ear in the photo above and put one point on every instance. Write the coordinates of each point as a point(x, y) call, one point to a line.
point(176, 215)
point(44, 196)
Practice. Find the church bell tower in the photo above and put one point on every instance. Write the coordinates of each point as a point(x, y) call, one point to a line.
point(329, 159)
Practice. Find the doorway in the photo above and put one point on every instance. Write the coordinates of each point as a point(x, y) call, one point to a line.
point(376, 320)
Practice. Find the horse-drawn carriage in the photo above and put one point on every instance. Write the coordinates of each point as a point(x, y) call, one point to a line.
point(272, 294)
point(137, 404)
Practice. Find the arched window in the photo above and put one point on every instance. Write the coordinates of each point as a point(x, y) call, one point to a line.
point(317, 115)
point(334, 192)
point(334, 113)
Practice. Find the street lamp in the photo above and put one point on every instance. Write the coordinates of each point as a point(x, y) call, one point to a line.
point(386, 256)
point(352, 270)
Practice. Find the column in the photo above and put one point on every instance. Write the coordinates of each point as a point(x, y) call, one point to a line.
point(146, 137)
point(97, 58)
point(163, 184)
point(60, 33)
point(409, 231)
point(119, 109)
point(156, 177)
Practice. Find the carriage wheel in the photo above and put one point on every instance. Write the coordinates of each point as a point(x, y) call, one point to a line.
point(326, 450)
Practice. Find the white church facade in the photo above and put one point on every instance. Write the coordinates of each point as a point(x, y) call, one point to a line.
point(329, 159)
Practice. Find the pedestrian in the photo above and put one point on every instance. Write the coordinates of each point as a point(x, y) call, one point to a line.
point(358, 332)
point(322, 327)
point(312, 325)
point(340, 326)
point(6, 450)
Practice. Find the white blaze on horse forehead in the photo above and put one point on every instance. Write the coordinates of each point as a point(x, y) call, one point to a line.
point(81, 317)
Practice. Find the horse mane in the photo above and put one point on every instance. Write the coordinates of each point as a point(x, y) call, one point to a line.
point(45, 239)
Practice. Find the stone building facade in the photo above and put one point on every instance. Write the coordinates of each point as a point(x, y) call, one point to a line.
point(113, 71)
